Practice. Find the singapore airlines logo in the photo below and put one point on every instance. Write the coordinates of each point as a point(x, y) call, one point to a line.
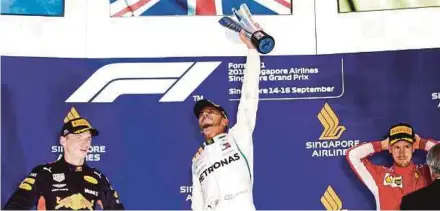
point(331, 200)
point(332, 131)
point(330, 122)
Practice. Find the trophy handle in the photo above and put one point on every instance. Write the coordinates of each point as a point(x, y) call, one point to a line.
point(234, 26)
point(248, 16)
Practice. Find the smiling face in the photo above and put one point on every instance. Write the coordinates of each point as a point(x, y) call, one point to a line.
point(76, 146)
point(402, 153)
point(212, 121)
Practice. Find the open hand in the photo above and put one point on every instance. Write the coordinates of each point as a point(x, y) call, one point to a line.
point(385, 144)
point(416, 144)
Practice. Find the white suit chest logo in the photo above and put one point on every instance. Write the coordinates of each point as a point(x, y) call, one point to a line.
point(91, 192)
point(393, 181)
point(58, 177)
point(59, 185)
point(219, 164)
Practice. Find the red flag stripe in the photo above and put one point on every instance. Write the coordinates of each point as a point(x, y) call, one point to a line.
point(122, 12)
point(284, 3)
point(133, 8)
point(139, 4)
point(205, 7)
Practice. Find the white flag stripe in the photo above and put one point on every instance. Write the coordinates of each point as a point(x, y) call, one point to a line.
point(191, 7)
point(219, 7)
point(117, 6)
point(142, 9)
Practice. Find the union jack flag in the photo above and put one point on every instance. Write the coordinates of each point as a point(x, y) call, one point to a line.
point(127, 8)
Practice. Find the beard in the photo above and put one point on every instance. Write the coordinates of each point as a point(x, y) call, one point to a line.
point(209, 123)
point(204, 126)
point(403, 163)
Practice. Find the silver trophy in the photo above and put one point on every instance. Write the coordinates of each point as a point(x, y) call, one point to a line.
point(263, 42)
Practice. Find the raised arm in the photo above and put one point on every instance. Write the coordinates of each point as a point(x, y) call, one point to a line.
point(248, 105)
point(425, 143)
point(366, 171)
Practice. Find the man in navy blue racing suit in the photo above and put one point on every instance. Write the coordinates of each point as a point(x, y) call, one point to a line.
point(68, 183)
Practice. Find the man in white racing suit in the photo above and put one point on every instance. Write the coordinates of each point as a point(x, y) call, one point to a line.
point(222, 168)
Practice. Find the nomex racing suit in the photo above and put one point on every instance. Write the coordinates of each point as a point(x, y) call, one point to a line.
point(388, 184)
point(60, 185)
point(222, 168)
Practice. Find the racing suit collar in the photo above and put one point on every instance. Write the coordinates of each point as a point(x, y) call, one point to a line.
point(215, 139)
point(401, 170)
point(70, 167)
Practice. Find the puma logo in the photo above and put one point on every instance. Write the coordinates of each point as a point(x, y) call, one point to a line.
point(47, 169)
point(99, 175)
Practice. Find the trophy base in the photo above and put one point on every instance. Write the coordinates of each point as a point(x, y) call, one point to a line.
point(263, 42)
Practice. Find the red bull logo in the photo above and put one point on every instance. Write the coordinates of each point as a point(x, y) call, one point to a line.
point(75, 202)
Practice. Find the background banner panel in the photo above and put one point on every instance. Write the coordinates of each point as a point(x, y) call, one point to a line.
point(149, 134)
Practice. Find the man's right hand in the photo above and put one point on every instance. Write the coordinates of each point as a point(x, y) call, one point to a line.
point(385, 144)
point(245, 40)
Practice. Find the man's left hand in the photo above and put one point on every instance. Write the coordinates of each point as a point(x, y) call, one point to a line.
point(245, 40)
point(417, 143)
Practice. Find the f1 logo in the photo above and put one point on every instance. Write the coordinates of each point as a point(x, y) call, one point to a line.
point(176, 79)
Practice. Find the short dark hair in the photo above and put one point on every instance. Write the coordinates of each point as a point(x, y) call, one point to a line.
point(201, 104)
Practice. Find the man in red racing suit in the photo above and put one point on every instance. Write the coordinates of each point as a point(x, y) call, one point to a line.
point(390, 184)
